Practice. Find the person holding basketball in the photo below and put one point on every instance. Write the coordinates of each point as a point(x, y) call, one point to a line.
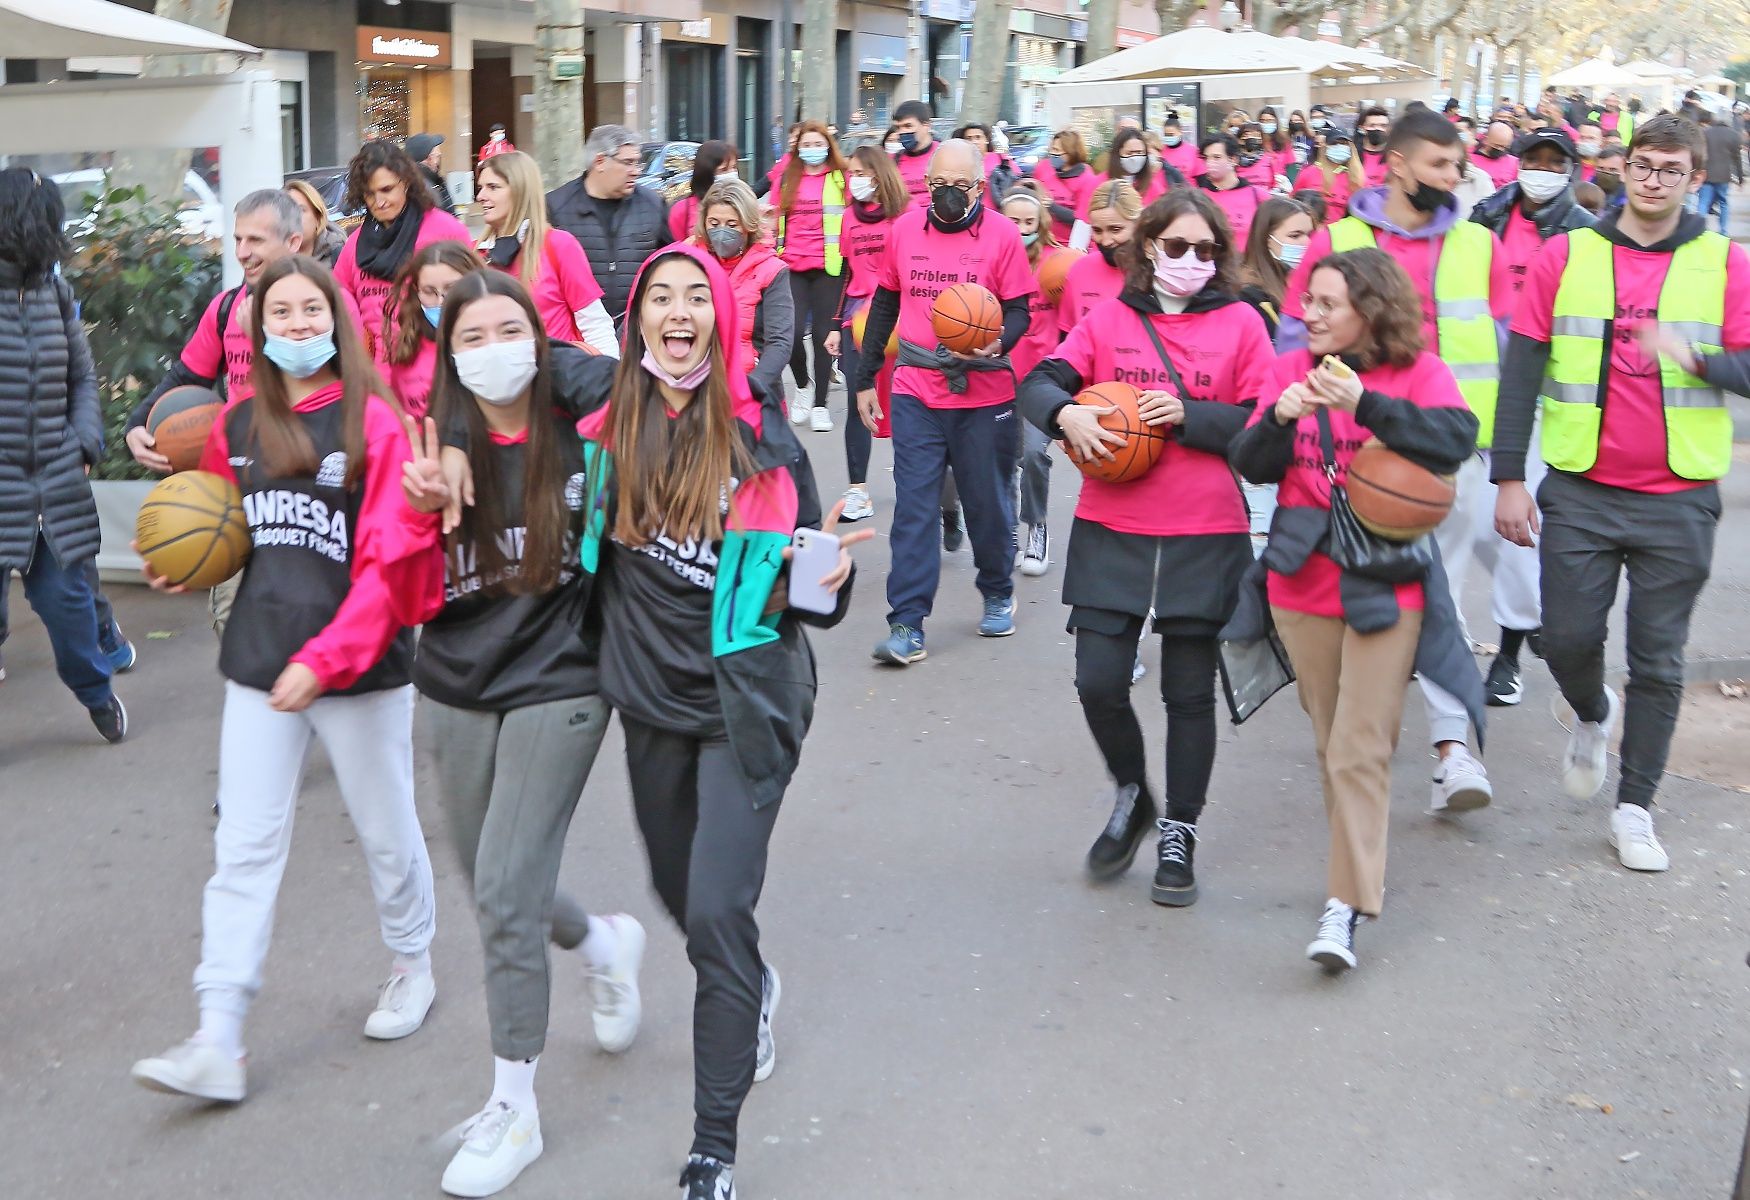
point(1165, 552)
point(692, 490)
point(317, 645)
point(1113, 210)
point(507, 663)
point(949, 410)
point(1353, 639)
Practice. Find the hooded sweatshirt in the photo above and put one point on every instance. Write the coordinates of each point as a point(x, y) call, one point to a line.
point(1417, 251)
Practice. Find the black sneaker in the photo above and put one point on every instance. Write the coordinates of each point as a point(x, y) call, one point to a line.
point(953, 530)
point(1503, 685)
point(1175, 881)
point(1334, 947)
point(706, 1178)
point(1132, 815)
point(1534, 642)
point(111, 720)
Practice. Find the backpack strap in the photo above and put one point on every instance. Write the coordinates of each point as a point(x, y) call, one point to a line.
point(227, 301)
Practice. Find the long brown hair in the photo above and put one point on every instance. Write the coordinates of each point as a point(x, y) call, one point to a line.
point(546, 519)
point(1139, 268)
point(412, 332)
point(890, 191)
point(1381, 292)
point(280, 441)
point(1259, 267)
point(793, 170)
point(380, 155)
point(673, 473)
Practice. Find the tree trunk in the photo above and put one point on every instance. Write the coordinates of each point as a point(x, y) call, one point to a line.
point(820, 23)
point(1102, 28)
point(990, 58)
point(1461, 69)
point(558, 102)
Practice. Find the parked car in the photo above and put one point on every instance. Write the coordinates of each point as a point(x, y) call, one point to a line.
point(668, 168)
point(1027, 145)
point(330, 184)
point(199, 210)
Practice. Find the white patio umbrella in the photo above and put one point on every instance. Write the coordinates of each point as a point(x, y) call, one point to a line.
point(1645, 68)
point(1327, 58)
point(1198, 50)
point(88, 28)
point(1596, 73)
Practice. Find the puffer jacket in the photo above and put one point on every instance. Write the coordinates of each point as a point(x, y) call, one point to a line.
point(1556, 216)
point(616, 235)
point(51, 427)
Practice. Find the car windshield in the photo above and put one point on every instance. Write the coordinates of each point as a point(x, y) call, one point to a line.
point(1025, 137)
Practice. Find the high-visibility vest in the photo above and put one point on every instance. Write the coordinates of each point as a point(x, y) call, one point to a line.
point(832, 216)
point(1692, 305)
point(1463, 322)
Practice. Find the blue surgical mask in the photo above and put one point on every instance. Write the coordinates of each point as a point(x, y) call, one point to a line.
point(812, 155)
point(1027, 239)
point(1338, 154)
point(302, 359)
point(1056, 161)
point(433, 313)
point(908, 142)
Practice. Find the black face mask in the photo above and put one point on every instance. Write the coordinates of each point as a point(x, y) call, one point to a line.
point(1110, 253)
point(1428, 199)
point(952, 209)
point(1249, 158)
point(1491, 152)
point(1375, 138)
point(1608, 182)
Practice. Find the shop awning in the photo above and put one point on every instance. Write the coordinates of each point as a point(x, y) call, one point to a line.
point(86, 28)
point(1198, 50)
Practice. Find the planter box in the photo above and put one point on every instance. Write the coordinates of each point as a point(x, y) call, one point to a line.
point(118, 504)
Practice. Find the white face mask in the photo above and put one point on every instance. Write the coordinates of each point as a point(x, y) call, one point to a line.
point(1541, 185)
point(499, 372)
point(1133, 163)
point(862, 187)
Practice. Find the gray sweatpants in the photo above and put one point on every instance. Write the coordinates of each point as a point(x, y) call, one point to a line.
point(509, 783)
point(1591, 532)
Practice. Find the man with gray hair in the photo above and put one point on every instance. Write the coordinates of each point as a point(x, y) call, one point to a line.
point(618, 223)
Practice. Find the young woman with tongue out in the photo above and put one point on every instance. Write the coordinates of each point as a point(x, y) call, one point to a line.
point(691, 495)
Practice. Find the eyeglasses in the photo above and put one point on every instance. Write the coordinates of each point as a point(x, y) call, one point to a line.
point(1312, 307)
point(1176, 247)
point(631, 164)
point(965, 187)
point(1669, 176)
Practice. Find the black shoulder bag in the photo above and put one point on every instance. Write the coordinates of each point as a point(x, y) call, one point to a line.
point(1356, 549)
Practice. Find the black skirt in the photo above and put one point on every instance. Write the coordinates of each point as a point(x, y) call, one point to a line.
point(1190, 583)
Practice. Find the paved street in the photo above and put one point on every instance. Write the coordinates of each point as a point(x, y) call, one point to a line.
point(964, 1015)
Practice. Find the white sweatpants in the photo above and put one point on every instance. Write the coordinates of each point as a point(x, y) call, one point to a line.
point(1468, 534)
point(369, 739)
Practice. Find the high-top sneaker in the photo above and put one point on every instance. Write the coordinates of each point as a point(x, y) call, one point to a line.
point(1334, 947)
point(706, 1178)
point(1175, 880)
point(1132, 815)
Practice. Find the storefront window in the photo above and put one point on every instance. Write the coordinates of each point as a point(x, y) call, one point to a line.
point(387, 107)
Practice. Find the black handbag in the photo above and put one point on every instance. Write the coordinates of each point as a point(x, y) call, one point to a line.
point(1352, 546)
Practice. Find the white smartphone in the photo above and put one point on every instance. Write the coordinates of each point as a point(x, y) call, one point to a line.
point(813, 556)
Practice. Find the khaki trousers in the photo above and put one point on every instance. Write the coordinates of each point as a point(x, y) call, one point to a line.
point(1352, 686)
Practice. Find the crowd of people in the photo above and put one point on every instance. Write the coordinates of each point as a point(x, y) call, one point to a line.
point(566, 454)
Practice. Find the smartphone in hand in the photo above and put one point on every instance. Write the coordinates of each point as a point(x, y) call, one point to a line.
point(813, 555)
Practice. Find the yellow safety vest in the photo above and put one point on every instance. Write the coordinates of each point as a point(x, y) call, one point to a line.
point(832, 216)
point(1692, 305)
point(1469, 343)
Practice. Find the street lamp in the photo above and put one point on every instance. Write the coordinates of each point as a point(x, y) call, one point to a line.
point(1230, 15)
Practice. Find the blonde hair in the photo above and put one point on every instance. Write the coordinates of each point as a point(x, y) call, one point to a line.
point(735, 194)
point(1118, 195)
point(313, 198)
point(528, 202)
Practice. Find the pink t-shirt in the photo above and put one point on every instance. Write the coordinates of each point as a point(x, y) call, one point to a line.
point(804, 226)
point(914, 170)
point(922, 261)
point(411, 382)
point(1157, 187)
point(1185, 157)
point(1043, 333)
point(565, 286)
point(1608, 121)
point(205, 356)
point(369, 292)
point(1501, 171)
point(1427, 383)
point(1418, 257)
point(1374, 168)
point(1223, 356)
point(1241, 205)
point(1071, 192)
point(1632, 451)
point(864, 244)
point(1519, 245)
point(682, 216)
point(1334, 184)
point(1088, 283)
point(1262, 172)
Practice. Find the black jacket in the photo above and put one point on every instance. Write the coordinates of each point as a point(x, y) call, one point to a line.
point(440, 194)
point(51, 425)
point(1557, 216)
point(1725, 153)
point(616, 235)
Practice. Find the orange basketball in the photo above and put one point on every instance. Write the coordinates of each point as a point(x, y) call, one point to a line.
point(860, 322)
point(966, 317)
point(179, 423)
point(1395, 498)
point(191, 529)
point(1142, 446)
point(1054, 272)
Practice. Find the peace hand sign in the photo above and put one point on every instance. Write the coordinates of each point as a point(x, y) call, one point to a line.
point(422, 476)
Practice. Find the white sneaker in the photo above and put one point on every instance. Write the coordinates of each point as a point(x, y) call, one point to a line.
point(616, 1006)
point(766, 1057)
point(1139, 670)
point(820, 419)
point(1334, 947)
point(798, 409)
point(1637, 846)
point(1460, 784)
point(497, 1143)
point(1587, 758)
point(195, 1068)
point(402, 1003)
point(1036, 556)
point(858, 506)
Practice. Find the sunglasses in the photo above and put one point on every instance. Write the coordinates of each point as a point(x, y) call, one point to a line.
point(1176, 247)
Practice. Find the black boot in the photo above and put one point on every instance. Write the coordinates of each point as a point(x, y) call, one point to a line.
point(1133, 811)
point(1175, 880)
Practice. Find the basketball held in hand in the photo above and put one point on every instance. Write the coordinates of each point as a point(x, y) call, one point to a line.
point(1142, 446)
point(966, 318)
point(192, 530)
point(179, 423)
point(1395, 498)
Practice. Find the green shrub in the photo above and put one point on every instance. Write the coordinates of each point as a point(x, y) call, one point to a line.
point(141, 284)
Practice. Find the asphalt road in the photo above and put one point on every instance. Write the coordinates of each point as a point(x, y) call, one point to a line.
point(964, 1015)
